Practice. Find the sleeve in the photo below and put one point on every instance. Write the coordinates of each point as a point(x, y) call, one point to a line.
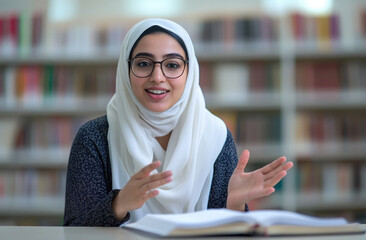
point(88, 198)
point(223, 169)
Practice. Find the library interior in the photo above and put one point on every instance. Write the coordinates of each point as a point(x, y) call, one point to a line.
point(297, 88)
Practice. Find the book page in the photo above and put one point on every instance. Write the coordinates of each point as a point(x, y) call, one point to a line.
point(280, 217)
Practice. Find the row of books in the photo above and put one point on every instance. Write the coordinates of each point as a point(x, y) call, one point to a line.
point(321, 30)
point(24, 34)
point(86, 39)
point(331, 181)
point(26, 184)
point(38, 138)
point(251, 30)
point(331, 127)
point(253, 128)
point(21, 34)
point(231, 79)
point(37, 85)
point(331, 75)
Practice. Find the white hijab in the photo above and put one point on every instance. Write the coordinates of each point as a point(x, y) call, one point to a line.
point(196, 140)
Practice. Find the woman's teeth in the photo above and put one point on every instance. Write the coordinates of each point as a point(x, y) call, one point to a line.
point(158, 92)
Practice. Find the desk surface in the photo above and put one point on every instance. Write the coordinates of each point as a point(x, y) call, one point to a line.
point(104, 233)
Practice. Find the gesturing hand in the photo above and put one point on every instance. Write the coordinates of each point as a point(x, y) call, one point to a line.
point(244, 187)
point(139, 189)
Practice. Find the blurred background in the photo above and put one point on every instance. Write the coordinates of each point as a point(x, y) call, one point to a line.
point(287, 77)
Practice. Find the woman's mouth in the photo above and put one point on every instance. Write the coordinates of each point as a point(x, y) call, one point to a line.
point(156, 91)
point(157, 94)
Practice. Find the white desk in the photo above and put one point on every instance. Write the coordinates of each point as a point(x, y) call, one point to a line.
point(104, 233)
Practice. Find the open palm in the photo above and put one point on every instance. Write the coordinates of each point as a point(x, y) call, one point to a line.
point(244, 187)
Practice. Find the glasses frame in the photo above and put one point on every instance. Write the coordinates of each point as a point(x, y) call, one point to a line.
point(130, 61)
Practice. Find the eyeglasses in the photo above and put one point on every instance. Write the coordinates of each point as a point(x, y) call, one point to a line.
point(143, 67)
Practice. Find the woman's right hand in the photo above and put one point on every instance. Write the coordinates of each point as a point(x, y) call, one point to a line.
point(141, 187)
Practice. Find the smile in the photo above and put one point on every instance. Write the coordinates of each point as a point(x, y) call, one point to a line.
point(157, 92)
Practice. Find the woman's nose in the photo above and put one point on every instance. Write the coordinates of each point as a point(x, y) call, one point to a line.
point(157, 74)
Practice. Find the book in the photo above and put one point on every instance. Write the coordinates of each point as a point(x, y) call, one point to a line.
point(215, 222)
point(8, 128)
point(230, 81)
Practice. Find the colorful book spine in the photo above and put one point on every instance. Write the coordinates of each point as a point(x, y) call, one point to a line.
point(248, 30)
point(315, 31)
point(259, 128)
point(330, 75)
point(252, 77)
point(43, 85)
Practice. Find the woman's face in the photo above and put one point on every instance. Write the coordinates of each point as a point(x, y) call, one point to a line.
point(157, 92)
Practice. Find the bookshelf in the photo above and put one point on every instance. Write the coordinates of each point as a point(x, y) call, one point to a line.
point(255, 79)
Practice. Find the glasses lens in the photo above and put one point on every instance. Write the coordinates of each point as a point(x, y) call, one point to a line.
point(171, 67)
point(142, 67)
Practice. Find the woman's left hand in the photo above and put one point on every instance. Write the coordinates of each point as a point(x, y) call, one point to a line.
point(244, 187)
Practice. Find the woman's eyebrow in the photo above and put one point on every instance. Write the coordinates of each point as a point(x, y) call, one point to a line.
point(169, 55)
point(144, 54)
point(173, 55)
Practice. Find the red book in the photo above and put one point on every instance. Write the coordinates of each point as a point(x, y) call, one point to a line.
point(257, 76)
point(205, 76)
point(2, 22)
point(327, 76)
point(297, 20)
point(37, 31)
point(14, 28)
point(334, 28)
point(363, 23)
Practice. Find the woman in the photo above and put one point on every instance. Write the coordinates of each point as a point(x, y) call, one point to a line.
point(158, 149)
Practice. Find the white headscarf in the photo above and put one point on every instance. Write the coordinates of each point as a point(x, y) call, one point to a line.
point(196, 140)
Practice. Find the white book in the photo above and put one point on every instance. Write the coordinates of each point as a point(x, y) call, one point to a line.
point(8, 129)
point(228, 222)
point(230, 81)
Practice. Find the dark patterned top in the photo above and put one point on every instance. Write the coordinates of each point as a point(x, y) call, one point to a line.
point(89, 192)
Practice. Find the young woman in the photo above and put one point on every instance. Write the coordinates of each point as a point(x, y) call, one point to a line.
point(158, 149)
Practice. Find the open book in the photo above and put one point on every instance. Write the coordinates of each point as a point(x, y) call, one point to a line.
point(227, 222)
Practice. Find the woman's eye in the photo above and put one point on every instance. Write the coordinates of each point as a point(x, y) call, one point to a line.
point(143, 64)
point(172, 65)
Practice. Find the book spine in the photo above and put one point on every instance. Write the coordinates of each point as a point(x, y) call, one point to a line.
point(323, 32)
point(36, 86)
point(333, 76)
point(228, 32)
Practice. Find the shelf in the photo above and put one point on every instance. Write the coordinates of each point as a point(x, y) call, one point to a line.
point(315, 53)
point(331, 100)
point(36, 158)
point(261, 153)
point(78, 107)
point(249, 101)
point(91, 59)
point(204, 51)
point(40, 207)
point(332, 151)
point(38, 164)
point(220, 52)
point(317, 202)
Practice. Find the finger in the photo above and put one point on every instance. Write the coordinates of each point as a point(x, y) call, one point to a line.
point(152, 185)
point(156, 177)
point(276, 179)
point(262, 193)
point(276, 171)
point(287, 166)
point(150, 194)
point(273, 165)
point(284, 167)
point(144, 172)
point(243, 160)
